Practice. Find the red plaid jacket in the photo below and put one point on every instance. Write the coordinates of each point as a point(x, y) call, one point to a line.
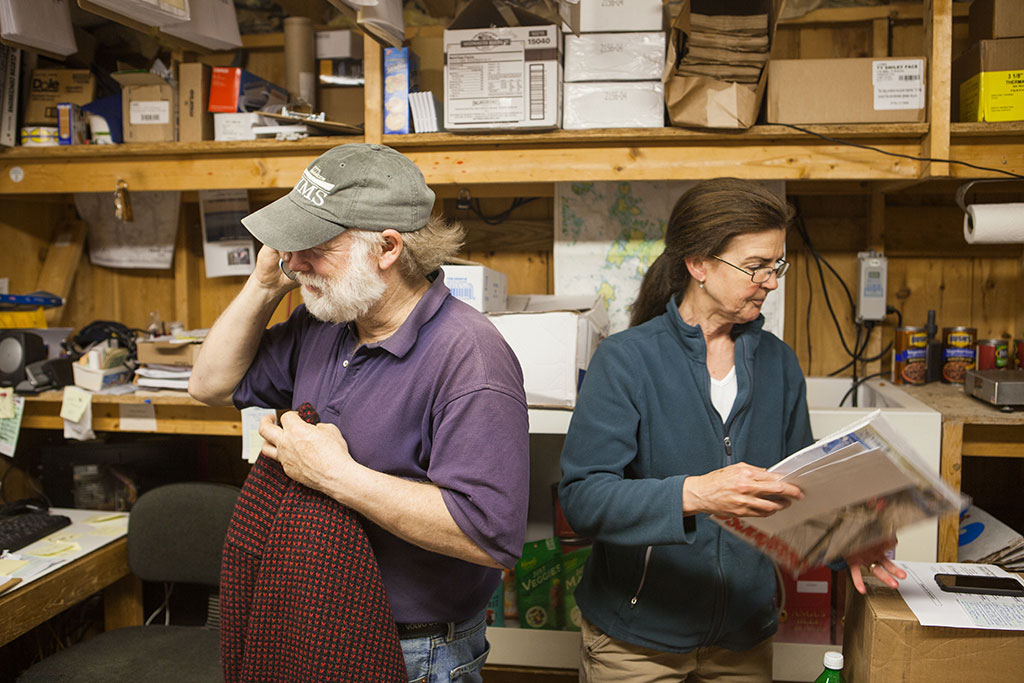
point(301, 594)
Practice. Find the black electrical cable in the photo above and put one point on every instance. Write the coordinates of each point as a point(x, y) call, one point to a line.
point(499, 218)
point(898, 154)
point(855, 386)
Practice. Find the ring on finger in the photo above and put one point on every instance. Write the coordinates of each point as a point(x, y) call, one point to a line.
point(871, 567)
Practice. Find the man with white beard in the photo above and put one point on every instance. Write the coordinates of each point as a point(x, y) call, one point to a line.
point(423, 430)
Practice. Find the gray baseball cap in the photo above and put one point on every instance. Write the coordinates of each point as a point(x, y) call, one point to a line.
point(369, 187)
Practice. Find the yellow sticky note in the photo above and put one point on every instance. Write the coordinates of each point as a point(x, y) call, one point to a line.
point(8, 567)
point(76, 402)
point(6, 403)
point(255, 446)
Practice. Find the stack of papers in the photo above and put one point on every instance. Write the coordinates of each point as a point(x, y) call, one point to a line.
point(212, 24)
point(985, 539)
point(424, 107)
point(382, 21)
point(725, 46)
point(860, 485)
point(148, 12)
point(163, 376)
point(41, 24)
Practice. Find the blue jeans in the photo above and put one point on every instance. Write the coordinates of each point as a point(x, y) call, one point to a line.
point(456, 657)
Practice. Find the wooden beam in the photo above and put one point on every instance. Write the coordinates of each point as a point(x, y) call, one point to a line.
point(373, 91)
point(938, 26)
point(880, 34)
point(61, 264)
point(186, 274)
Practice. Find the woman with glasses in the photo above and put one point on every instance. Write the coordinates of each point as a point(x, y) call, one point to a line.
point(678, 418)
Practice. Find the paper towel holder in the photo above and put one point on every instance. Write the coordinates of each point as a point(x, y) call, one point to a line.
point(961, 192)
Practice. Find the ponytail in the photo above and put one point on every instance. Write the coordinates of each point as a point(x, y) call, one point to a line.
point(661, 281)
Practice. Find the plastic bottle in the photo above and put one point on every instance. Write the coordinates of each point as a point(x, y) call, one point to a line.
point(833, 672)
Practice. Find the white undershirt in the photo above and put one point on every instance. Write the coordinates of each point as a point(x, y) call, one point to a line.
point(723, 393)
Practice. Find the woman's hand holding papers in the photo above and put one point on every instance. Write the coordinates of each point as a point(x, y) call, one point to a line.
point(739, 490)
point(874, 561)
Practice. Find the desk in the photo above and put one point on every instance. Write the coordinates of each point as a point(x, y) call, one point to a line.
point(100, 564)
point(970, 427)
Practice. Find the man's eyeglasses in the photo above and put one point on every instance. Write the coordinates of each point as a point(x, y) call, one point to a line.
point(760, 275)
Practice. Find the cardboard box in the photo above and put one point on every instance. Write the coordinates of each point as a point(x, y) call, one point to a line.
point(806, 615)
point(236, 126)
point(616, 104)
point(883, 642)
point(614, 57)
point(147, 107)
point(554, 338)
point(859, 90)
point(233, 89)
point(988, 82)
point(49, 87)
point(484, 289)
point(498, 76)
point(996, 19)
point(339, 44)
point(344, 105)
point(195, 122)
point(166, 353)
point(709, 102)
point(591, 16)
point(97, 380)
point(399, 81)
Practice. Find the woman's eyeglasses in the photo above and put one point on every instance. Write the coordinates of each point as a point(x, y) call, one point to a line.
point(761, 275)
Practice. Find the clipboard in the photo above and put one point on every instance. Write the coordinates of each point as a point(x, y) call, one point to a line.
point(329, 126)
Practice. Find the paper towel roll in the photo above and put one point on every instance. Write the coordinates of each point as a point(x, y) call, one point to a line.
point(299, 46)
point(994, 224)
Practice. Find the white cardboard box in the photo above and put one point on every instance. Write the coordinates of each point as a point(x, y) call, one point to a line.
point(554, 338)
point(504, 77)
point(614, 56)
point(482, 288)
point(615, 104)
point(237, 126)
point(97, 380)
point(592, 16)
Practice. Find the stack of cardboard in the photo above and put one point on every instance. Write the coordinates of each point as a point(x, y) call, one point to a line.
point(613, 66)
point(986, 78)
point(727, 47)
point(985, 539)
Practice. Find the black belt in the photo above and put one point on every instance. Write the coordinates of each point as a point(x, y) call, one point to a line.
point(422, 630)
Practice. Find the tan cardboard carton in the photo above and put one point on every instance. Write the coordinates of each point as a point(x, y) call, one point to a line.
point(166, 353)
point(49, 87)
point(988, 82)
point(147, 107)
point(996, 19)
point(883, 642)
point(859, 90)
point(195, 122)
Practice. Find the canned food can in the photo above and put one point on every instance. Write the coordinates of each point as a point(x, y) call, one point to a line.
point(909, 356)
point(1018, 345)
point(992, 354)
point(958, 348)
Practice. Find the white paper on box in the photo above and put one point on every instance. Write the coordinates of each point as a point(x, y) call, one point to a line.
point(481, 287)
point(616, 104)
point(506, 77)
point(591, 16)
point(554, 338)
point(898, 83)
point(237, 126)
point(614, 56)
point(149, 112)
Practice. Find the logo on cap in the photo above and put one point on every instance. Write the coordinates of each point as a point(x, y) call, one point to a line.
point(313, 186)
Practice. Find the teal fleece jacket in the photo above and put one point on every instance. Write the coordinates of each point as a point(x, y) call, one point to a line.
point(642, 424)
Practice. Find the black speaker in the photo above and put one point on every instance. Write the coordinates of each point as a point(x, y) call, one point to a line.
point(17, 349)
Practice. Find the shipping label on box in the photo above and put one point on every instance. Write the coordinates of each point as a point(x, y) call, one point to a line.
point(591, 16)
point(49, 87)
point(482, 288)
point(898, 84)
point(616, 104)
point(614, 57)
point(554, 338)
point(506, 77)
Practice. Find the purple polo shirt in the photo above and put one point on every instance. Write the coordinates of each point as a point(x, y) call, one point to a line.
point(440, 400)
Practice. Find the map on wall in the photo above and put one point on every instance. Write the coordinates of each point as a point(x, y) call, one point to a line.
point(607, 234)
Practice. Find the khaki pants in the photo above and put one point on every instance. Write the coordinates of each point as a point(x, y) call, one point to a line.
point(604, 659)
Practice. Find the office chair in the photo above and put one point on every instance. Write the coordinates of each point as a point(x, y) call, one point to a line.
point(175, 535)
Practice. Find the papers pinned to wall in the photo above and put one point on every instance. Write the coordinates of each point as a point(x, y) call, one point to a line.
point(227, 246)
point(145, 242)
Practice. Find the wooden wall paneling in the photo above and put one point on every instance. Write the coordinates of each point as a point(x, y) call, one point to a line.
point(881, 35)
point(61, 265)
point(186, 267)
point(373, 91)
point(27, 227)
point(994, 301)
point(917, 285)
point(528, 272)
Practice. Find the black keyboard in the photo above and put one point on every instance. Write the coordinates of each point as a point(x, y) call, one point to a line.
point(17, 531)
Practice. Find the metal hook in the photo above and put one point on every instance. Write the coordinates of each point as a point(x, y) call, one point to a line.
point(122, 202)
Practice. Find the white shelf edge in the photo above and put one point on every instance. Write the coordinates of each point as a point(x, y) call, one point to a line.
point(560, 650)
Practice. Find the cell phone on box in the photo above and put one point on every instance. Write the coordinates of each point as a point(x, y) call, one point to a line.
point(985, 585)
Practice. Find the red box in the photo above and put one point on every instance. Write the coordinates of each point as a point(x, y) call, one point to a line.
point(225, 83)
point(806, 615)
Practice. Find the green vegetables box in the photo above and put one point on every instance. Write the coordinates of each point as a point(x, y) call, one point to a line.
point(539, 585)
point(572, 572)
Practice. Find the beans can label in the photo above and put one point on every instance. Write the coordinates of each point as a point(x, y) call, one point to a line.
point(1018, 345)
point(958, 353)
point(910, 355)
point(993, 354)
